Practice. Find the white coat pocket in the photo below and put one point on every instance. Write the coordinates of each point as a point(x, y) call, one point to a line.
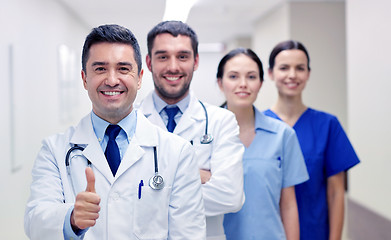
point(151, 214)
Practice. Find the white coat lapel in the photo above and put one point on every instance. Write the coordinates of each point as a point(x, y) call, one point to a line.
point(131, 156)
point(84, 135)
point(193, 114)
point(147, 107)
point(94, 153)
point(144, 136)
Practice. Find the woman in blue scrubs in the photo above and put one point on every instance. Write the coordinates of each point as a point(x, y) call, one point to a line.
point(326, 148)
point(272, 161)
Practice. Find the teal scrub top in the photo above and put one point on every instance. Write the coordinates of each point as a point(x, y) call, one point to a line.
point(327, 151)
point(273, 161)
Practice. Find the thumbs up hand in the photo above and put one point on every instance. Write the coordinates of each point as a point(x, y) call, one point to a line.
point(86, 209)
point(90, 180)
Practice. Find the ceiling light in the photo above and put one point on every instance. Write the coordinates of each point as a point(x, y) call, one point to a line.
point(178, 9)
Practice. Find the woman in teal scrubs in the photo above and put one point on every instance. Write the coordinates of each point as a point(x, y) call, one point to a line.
point(326, 148)
point(272, 161)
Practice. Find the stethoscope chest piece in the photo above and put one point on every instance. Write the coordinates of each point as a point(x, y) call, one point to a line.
point(156, 182)
point(206, 139)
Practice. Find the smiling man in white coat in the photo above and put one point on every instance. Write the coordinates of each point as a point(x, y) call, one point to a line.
point(115, 175)
point(172, 58)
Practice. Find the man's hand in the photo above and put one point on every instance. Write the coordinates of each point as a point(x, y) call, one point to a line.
point(205, 175)
point(87, 208)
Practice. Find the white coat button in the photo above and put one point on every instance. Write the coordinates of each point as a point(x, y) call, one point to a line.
point(114, 196)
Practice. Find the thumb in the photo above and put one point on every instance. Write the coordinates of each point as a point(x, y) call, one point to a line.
point(90, 180)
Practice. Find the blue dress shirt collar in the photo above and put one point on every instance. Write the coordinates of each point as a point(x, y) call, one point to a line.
point(160, 103)
point(128, 125)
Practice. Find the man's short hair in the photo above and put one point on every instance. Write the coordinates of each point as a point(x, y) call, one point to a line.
point(174, 28)
point(111, 34)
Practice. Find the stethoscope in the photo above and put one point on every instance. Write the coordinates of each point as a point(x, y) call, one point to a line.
point(156, 182)
point(67, 163)
point(206, 138)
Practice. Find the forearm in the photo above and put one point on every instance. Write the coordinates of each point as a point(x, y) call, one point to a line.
point(46, 221)
point(223, 193)
point(45, 209)
point(289, 213)
point(336, 201)
point(68, 229)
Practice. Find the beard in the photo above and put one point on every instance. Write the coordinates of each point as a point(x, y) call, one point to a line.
point(172, 96)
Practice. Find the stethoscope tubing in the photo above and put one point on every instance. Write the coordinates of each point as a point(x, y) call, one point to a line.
point(75, 147)
point(206, 138)
point(156, 181)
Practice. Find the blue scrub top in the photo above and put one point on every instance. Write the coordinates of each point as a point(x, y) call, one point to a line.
point(273, 161)
point(327, 151)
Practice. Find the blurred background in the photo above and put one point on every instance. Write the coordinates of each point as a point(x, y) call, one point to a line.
point(348, 42)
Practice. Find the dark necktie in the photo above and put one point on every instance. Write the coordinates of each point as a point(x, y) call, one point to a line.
point(171, 112)
point(112, 152)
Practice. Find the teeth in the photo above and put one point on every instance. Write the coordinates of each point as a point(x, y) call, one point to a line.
point(172, 78)
point(111, 93)
point(292, 84)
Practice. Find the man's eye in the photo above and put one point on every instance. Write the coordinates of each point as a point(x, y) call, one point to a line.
point(162, 57)
point(124, 69)
point(99, 69)
point(183, 57)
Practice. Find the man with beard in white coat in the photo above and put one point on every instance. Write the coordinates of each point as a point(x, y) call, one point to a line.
point(101, 189)
point(172, 58)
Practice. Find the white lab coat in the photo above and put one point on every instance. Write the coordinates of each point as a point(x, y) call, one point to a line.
point(175, 212)
point(223, 157)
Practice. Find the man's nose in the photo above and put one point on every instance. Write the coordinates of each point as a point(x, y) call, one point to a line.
point(173, 65)
point(112, 78)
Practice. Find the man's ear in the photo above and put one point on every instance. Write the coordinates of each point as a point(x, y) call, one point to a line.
point(140, 79)
point(84, 77)
point(148, 61)
point(196, 61)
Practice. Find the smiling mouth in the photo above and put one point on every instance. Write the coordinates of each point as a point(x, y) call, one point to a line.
point(111, 93)
point(292, 84)
point(242, 93)
point(172, 79)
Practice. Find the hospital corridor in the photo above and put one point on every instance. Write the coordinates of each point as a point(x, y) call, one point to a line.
point(349, 47)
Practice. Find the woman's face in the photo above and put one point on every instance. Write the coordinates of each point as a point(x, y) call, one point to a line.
point(241, 82)
point(290, 72)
